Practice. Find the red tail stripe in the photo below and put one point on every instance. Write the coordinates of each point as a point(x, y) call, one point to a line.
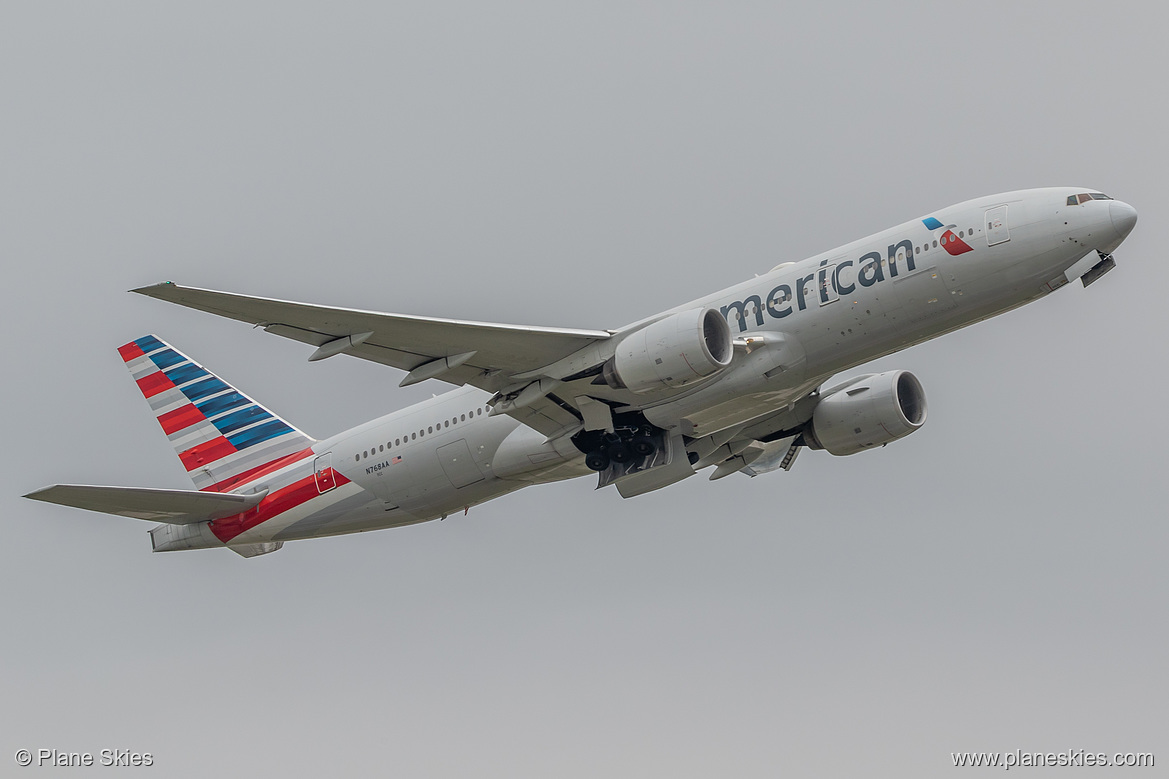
point(130, 351)
point(207, 452)
point(284, 499)
point(259, 471)
point(184, 416)
point(154, 383)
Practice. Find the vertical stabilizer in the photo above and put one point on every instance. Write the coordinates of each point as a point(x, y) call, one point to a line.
point(222, 436)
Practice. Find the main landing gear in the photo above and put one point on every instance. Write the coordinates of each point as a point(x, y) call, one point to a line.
point(633, 440)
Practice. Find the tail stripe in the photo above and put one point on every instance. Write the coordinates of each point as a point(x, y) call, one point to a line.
point(218, 432)
point(259, 434)
point(149, 344)
point(204, 388)
point(221, 403)
point(208, 452)
point(179, 419)
point(166, 359)
point(130, 351)
point(154, 383)
point(184, 374)
point(237, 419)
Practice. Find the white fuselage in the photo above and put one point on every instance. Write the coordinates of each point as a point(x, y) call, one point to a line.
point(834, 311)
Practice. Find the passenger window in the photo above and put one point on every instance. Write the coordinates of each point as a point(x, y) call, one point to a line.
point(462, 417)
point(397, 442)
point(356, 458)
point(413, 436)
point(381, 448)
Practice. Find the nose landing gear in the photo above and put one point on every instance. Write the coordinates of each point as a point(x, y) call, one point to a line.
point(1099, 269)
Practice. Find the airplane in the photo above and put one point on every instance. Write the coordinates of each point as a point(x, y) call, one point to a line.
point(736, 382)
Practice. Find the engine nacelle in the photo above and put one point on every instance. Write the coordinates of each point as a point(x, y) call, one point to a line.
point(672, 352)
point(871, 412)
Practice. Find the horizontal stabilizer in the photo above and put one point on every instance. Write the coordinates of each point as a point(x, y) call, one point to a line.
point(173, 507)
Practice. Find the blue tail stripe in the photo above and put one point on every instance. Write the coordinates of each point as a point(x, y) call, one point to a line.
point(222, 403)
point(167, 358)
point(259, 434)
point(184, 373)
point(202, 389)
point(931, 223)
point(238, 419)
point(149, 343)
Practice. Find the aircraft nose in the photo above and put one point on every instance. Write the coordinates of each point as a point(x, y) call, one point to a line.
point(1124, 218)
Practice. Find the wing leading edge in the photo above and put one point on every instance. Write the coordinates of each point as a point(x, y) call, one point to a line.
point(487, 355)
point(399, 340)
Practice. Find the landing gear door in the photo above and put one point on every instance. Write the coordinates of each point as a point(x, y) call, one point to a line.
point(996, 226)
point(323, 473)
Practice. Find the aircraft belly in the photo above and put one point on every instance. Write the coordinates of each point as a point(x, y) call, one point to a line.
point(343, 500)
point(353, 511)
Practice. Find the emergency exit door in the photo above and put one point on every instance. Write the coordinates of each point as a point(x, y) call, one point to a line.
point(996, 226)
point(458, 465)
point(323, 473)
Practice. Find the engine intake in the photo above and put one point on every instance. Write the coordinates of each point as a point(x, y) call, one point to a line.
point(672, 352)
point(870, 412)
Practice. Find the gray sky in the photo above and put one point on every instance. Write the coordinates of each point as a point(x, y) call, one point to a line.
point(996, 581)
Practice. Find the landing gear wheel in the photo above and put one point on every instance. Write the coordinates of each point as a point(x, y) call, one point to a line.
point(642, 445)
point(619, 453)
point(597, 461)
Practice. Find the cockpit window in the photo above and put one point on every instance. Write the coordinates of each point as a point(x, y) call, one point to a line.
point(1084, 197)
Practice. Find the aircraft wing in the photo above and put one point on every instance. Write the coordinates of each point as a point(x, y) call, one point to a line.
point(482, 354)
point(173, 507)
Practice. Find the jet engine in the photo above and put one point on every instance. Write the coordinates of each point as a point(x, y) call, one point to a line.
point(672, 352)
point(870, 412)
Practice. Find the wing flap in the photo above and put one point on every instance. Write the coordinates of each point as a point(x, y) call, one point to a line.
point(172, 507)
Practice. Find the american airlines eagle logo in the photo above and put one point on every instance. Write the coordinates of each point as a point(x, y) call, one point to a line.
point(949, 240)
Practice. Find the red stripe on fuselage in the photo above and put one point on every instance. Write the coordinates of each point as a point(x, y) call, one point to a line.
point(154, 383)
point(285, 499)
point(954, 245)
point(184, 416)
point(207, 452)
point(259, 472)
point(130, 351)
